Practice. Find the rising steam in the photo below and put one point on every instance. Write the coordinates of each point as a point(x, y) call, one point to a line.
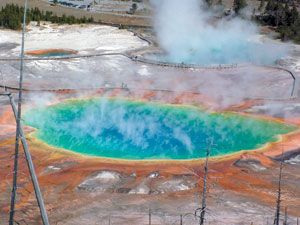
point(190, 33)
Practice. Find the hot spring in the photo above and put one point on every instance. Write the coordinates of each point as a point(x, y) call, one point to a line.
point(214, 58)
point(127, 129)
point(51, 52)
point(237, 51)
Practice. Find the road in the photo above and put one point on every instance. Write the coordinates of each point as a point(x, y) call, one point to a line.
point(105, 17)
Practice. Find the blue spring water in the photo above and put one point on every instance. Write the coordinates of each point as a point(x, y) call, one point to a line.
point(56, 53)
point(222, 54)
point(125, 129)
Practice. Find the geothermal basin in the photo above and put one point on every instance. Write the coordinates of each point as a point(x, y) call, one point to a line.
point(141, 116)
point(134, 130)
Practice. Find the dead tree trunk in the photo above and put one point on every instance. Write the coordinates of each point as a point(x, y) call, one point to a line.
point(285, 216)
point(150, 215)
point(203, 209)
point(277, 214)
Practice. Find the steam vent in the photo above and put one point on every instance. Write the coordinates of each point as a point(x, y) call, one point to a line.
point(149, 112)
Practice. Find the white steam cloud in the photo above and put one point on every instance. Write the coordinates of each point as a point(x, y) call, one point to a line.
point(188, 32)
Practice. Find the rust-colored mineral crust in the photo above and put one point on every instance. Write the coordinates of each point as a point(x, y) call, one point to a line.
point(73, 184)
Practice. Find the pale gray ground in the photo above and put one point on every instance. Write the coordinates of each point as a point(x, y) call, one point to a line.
point(112, 71)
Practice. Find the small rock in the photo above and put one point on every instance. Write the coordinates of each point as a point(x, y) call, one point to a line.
point(175, 184)
point(102, 181)
point(57, 167)
point(252, 164)
point(133, 175)
point(142, 189)
point(154, 174)
point(294, 160)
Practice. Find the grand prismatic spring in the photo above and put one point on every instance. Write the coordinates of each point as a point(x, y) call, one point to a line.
point(129, 129)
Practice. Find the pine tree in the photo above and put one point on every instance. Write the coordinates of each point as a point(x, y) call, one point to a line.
point(261, 5)
point(208, 2)
point(238, 5)
point(271, 6)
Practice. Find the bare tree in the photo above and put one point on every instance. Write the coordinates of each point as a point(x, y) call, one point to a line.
point(277, 214)
point(285, 216)
point(150, 212)
point(203, 208)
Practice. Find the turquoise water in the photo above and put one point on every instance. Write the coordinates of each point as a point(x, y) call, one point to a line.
point(239, 51)
point(126, 129)
point(53, 54)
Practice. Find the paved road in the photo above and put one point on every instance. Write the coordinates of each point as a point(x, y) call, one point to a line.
point(105, 17)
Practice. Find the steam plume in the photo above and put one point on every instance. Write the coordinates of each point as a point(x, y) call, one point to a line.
point(190, 33)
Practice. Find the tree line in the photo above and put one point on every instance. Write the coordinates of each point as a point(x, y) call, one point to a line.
point(11, 17)
point(284, 18)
